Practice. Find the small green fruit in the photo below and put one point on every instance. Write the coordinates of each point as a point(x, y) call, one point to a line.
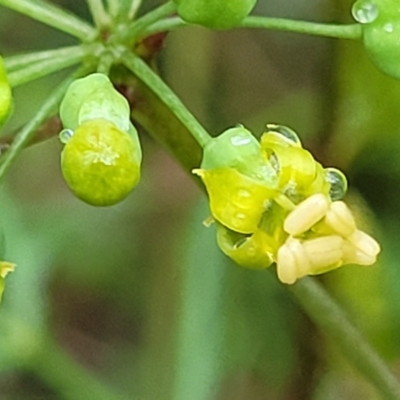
point(101, 163)
point(380, 21)
point(215, 14)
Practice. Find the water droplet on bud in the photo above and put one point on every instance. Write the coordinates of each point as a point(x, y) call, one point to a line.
point(389, 28)
point(365, 12)
point(65, 135)
point(288, 134)
point(338, 182)
point(240, 140)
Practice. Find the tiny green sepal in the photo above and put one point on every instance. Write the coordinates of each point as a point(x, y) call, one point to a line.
point(380, 20)
point(93, 97)
point(215, 14)
point(101, 163)
point(5, 94)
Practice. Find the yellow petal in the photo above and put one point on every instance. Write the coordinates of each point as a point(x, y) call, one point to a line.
point(236, 200)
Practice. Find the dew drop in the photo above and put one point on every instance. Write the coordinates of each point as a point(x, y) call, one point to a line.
point(365, 12)
point(65, 135)
point(240, 216)
point(287, 133)
point(244, 194)
point(240, 140)
point(389, 28)
point(338, 183)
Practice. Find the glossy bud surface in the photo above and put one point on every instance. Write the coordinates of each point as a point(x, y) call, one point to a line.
point(101, 163)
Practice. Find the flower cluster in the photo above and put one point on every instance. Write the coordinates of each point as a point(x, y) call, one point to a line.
point(101, 158)
point(274, 203)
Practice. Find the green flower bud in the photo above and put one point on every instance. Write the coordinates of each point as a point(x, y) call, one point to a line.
point(101, 163)
point(215, 14)
point(94, 97)
point(380, 21)
point(5, 94)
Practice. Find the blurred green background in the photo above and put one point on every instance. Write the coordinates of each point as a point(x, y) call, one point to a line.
point(136, 301)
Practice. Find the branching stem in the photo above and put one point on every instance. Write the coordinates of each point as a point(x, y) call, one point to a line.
point(16, 62)
point(331, 319)
point(53, 16)
point(352, 31)
point(25, 135)
point(99, 14)
point(42, 68)
point(138, 27)
point(166, 95)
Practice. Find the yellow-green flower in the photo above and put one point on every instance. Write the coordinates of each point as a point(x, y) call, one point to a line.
point(5, 94)
point(5, 269)
point(274, 203)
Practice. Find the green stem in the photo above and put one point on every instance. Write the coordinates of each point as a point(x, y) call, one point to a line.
point(133, 9)
point(197, 368)
point(53, 16)
point(331, 319)
point(22, 60)
point(105, 63)
point(25, 135)
point(135, 30)
point(113, 7)
point(99, 14)
point(44, 67)
point(165, 25)
point(352, 31)
point(165, 94)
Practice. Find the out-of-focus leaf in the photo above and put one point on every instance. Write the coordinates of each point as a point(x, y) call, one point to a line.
point(200, 333)
point(231, 321)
